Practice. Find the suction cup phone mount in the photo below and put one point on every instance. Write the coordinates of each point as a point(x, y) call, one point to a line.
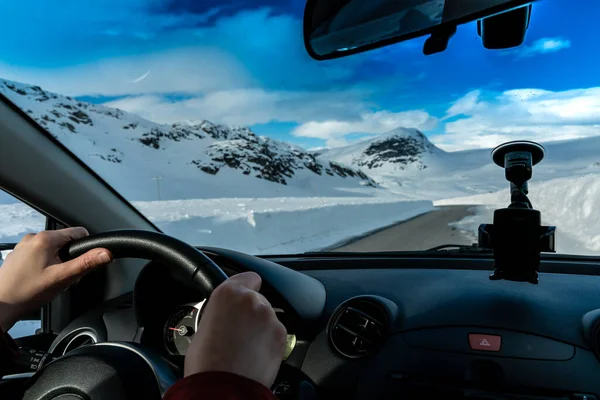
point(517, 236)
point(518, 159)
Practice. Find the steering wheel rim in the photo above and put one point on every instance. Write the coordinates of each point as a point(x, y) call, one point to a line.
point(185, 262)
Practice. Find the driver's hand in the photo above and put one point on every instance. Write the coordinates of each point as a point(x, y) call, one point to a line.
point(238, 333)
point(32, 273)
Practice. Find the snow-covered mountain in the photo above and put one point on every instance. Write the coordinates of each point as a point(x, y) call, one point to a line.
point(396, 152)
point(146, 161)
point(149, 161)
point(404, 161)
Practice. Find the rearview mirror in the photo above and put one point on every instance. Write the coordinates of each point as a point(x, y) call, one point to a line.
point(337, 28)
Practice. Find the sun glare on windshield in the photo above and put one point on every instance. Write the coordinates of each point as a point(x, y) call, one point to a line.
point(213, 120)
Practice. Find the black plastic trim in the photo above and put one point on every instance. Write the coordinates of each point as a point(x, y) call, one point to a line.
point(421, 254)
point(515, 344)
point(568, 266)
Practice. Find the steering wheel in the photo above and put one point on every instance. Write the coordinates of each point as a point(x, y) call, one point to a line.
point(123, 370)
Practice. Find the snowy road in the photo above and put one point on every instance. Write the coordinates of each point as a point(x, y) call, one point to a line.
point(420, 233)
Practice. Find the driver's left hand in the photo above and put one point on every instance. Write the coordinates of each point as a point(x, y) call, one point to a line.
point(33, 274)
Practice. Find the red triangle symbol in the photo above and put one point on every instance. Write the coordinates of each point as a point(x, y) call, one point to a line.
point(485, 342)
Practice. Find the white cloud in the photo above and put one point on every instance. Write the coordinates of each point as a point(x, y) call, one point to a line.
point(465, 104)
point(334, 131)
point(184, 70)
point(532, 114)
point(264, 78)
point(327, 115)
point(238, 75)
point(247, 106)
point(187, 58)
point(541, 46)
point(330, 116)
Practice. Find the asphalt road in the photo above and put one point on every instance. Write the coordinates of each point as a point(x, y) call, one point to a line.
point(420, 233)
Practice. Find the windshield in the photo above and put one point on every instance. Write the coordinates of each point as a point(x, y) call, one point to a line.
point(212, 120)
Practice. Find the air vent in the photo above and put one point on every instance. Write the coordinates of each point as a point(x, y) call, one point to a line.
point(359, 327)
point(591, 331)
point(79, 340)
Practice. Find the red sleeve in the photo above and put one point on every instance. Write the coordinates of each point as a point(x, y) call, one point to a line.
point(218, 385)
point(8, 353)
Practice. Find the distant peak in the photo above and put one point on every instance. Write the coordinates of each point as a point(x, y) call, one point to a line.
point(397, 150)
point(403, 132)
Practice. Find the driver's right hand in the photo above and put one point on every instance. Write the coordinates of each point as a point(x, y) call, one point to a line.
point(238, 333)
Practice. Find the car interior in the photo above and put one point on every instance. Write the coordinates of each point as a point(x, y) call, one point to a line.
point(396, 325)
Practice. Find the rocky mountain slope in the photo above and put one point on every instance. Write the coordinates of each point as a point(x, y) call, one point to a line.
point(145, 160)
point(402, 149)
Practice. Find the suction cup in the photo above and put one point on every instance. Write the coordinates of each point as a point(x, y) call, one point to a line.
point(537, 151)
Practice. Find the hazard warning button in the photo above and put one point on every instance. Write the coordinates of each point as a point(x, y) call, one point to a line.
point(484, 342)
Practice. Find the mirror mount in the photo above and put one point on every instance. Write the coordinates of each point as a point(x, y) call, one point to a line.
point(438, 41)
point(506, 30)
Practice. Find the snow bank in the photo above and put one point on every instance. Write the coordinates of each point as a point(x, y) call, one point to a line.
point(251, 225)
point(571, 204)
point(18, 219)
point(277, 225)
point(24, 328)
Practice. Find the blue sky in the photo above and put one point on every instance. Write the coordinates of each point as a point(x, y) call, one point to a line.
point(243, 62)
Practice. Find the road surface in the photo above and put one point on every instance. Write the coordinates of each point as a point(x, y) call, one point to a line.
point(420, 233)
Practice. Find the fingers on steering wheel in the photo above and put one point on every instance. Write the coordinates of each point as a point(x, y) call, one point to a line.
point(63, 236)
point(52, 239)
point(244, 288)
point(251, 280)
point(76, 268)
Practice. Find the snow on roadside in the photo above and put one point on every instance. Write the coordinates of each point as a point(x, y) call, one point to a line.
point(277, 225)
point(252, 225)
point(17, 220)
point(572, 204)
point(24, 328)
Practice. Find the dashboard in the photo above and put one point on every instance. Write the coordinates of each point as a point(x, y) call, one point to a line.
point(391, 327)
point(169, 319)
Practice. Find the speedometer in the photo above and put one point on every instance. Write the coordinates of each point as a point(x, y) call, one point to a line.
point(180, 329)
point(182, 324)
